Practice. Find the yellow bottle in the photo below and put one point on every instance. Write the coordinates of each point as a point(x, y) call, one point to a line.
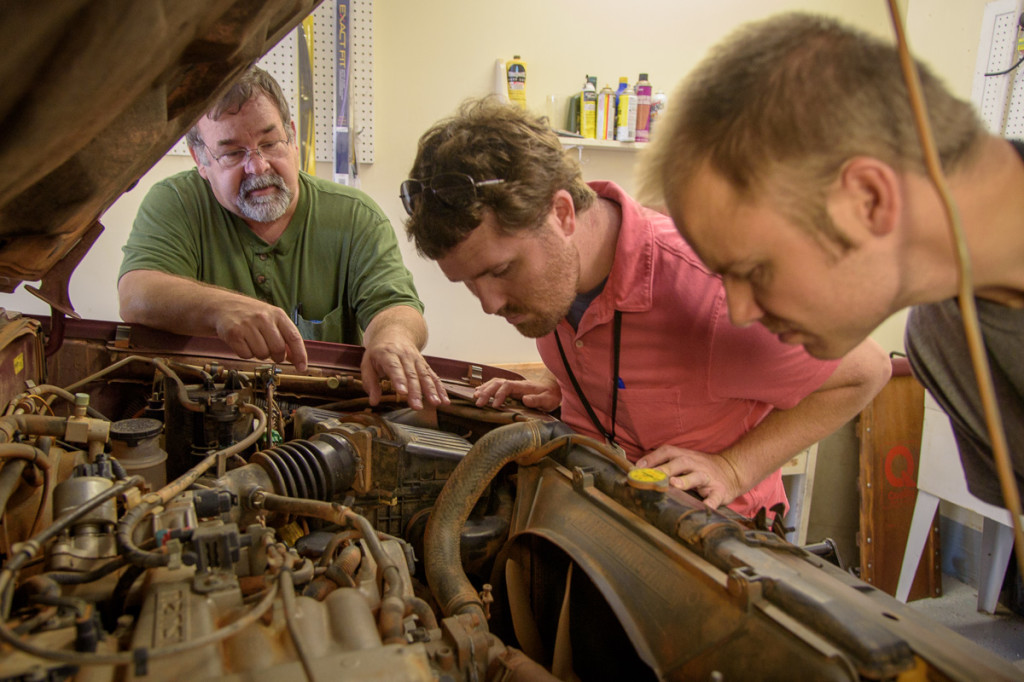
point(605, 129)
point(515, 72)
point(588, 108)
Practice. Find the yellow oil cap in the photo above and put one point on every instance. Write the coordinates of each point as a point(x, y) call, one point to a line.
point(647, 479)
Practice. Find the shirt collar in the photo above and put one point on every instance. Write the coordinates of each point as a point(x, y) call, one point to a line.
point(630, 286)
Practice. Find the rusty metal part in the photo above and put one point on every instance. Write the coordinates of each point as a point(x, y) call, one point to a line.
point(750, 599)
point(23, 351)
point(54, 289)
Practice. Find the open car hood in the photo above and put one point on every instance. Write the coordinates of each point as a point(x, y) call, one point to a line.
point(95, 92)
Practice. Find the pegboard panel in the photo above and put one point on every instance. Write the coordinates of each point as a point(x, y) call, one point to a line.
point(361, 78)
point(324, 26)
point(999, 99)
point(1013, 127)
point(282, 63)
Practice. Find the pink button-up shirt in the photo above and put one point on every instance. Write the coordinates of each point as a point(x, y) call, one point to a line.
point(688, 376)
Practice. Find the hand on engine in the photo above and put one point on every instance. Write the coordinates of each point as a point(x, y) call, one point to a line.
point(410, 375)
point(541, 394)
point(252, 328)
point(393, 340)
point(255, 329)
point(712, 476)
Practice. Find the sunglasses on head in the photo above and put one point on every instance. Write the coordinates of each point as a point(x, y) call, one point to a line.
point(454, 190)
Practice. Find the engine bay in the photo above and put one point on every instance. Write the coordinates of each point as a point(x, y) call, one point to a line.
point(238, 474)
point(171, 511)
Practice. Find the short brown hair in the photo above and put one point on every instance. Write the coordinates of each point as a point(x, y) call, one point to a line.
point(487, 139)
point(782, 104)
point(255, 81)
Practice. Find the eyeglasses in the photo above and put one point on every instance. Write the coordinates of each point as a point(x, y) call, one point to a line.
point(454, 190)
point(268, 151)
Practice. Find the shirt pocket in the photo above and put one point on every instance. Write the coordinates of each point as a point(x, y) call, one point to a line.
point(311, 330)
point(651, 415)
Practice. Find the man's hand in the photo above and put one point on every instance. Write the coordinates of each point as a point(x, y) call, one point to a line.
point(724, 476)
point(252, 328)
point(393, 340)
point(542, 394)
point(408, 371)
point(260, 330)
point(711, 476)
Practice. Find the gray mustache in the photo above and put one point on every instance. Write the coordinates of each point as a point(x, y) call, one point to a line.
point(251, 183)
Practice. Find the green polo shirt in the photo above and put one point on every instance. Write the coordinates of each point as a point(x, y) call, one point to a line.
point(336, 265)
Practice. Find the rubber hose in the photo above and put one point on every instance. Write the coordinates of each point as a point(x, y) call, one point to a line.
point(445, 576)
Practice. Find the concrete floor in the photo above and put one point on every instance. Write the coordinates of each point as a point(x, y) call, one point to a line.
point(1001, 633)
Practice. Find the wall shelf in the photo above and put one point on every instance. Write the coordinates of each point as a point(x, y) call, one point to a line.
point(611, 145)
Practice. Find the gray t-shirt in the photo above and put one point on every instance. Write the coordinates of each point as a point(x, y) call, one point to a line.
point(937, 349)
point(938, 353)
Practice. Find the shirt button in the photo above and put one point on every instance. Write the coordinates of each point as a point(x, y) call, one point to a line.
point(263, 256)
point(579, 343)
point(261, 279)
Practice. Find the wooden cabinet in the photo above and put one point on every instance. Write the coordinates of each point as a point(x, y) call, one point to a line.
point(890, 446)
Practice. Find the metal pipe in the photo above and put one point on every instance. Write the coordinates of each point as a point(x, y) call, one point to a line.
point(10, 476)
point(288, 603)
point(67, 396)
point(36, 457)
point(32, 425)
point(392, 608)
point(133, 517)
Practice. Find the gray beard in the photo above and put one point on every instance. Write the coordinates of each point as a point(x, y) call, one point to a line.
point(263, 209)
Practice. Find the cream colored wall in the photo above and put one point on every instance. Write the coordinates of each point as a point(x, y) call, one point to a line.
point(945, 36)
point(447, 53)
point(429, 56)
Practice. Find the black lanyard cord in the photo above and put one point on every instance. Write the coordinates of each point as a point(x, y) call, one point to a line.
point(616, 347)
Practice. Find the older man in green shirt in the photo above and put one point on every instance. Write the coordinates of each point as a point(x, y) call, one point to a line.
point(248, 248)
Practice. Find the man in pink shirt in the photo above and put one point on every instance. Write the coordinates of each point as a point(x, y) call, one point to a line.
point(632, 328)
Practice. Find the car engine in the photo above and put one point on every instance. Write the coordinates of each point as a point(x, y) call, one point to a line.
point(214, 519)
point(170, 511)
